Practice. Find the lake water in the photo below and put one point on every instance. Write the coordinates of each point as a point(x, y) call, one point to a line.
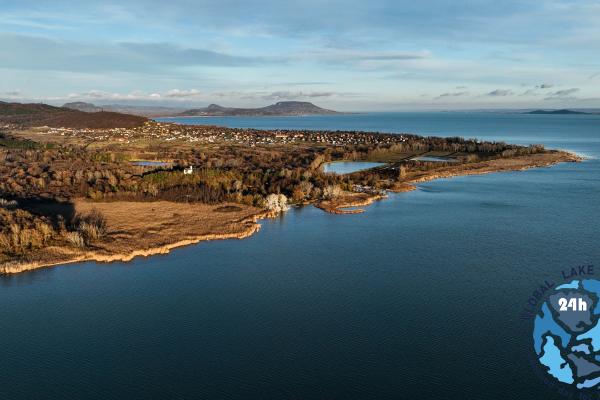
point(346, 167)
point(419, 297)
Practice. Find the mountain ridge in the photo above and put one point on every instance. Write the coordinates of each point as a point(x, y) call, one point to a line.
point(563, 111)
point(280, 108)
point(39, 114)
point(141, 110)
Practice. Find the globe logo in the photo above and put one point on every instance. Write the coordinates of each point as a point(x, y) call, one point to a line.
point(566, 334)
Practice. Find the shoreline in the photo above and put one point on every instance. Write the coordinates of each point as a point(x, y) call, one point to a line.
point(126, 257)
point(244, 228)
point(480, 168)
point(502, 165)
point(338, 206)
point(249, 225)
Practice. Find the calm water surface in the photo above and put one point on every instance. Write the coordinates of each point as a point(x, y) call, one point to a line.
point(151, 163)
point(346, 167)
point(417, 298)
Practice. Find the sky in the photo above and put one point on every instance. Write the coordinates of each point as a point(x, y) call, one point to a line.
point(369, 55)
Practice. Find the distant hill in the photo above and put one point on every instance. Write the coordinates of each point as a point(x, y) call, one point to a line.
point(280, 108)
point(83, 106)
point(563, 111)
point(37, 114)
point(144, 111)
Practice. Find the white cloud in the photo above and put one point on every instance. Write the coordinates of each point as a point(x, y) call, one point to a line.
point(176, 93)
point(137, 95)
point(287, 95)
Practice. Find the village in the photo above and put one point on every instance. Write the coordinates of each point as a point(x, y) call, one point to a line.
point(205, 134)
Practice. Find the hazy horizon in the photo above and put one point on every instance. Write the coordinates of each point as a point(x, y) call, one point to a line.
point(182, 106)
point(346, 56)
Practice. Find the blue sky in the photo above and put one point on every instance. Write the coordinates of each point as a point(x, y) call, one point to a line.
point(346, 55)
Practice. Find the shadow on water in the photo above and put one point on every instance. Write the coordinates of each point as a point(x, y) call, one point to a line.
point(430, 189)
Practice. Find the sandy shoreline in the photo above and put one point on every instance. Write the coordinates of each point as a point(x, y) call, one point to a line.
point(501, 165)
point(92, 256)
point(349, 200)
point(124, 243)
point(188, 224)
point(484, 167)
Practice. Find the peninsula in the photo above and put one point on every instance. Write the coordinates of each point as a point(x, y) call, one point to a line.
point(105, 186)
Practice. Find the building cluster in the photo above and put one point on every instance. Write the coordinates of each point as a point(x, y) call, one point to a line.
point(213, 134)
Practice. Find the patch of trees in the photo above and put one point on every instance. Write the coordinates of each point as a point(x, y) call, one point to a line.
point(224, 172)
point(22, 232)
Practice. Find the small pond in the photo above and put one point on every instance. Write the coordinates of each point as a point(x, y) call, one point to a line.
point(347, 167)
point(151, 163)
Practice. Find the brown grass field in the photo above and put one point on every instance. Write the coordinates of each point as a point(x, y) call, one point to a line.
point(146, 228)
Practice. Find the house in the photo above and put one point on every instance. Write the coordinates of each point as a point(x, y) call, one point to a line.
point(188, 170)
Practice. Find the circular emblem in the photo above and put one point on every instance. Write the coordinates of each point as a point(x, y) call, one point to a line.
point(566, 334)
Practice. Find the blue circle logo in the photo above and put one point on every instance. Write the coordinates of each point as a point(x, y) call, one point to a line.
point(566, 334)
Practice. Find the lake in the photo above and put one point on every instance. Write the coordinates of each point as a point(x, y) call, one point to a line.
point(419, 297)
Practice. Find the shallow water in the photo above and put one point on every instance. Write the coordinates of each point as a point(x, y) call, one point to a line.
point(419, 297)
point(151, 163)
point(347, 167)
